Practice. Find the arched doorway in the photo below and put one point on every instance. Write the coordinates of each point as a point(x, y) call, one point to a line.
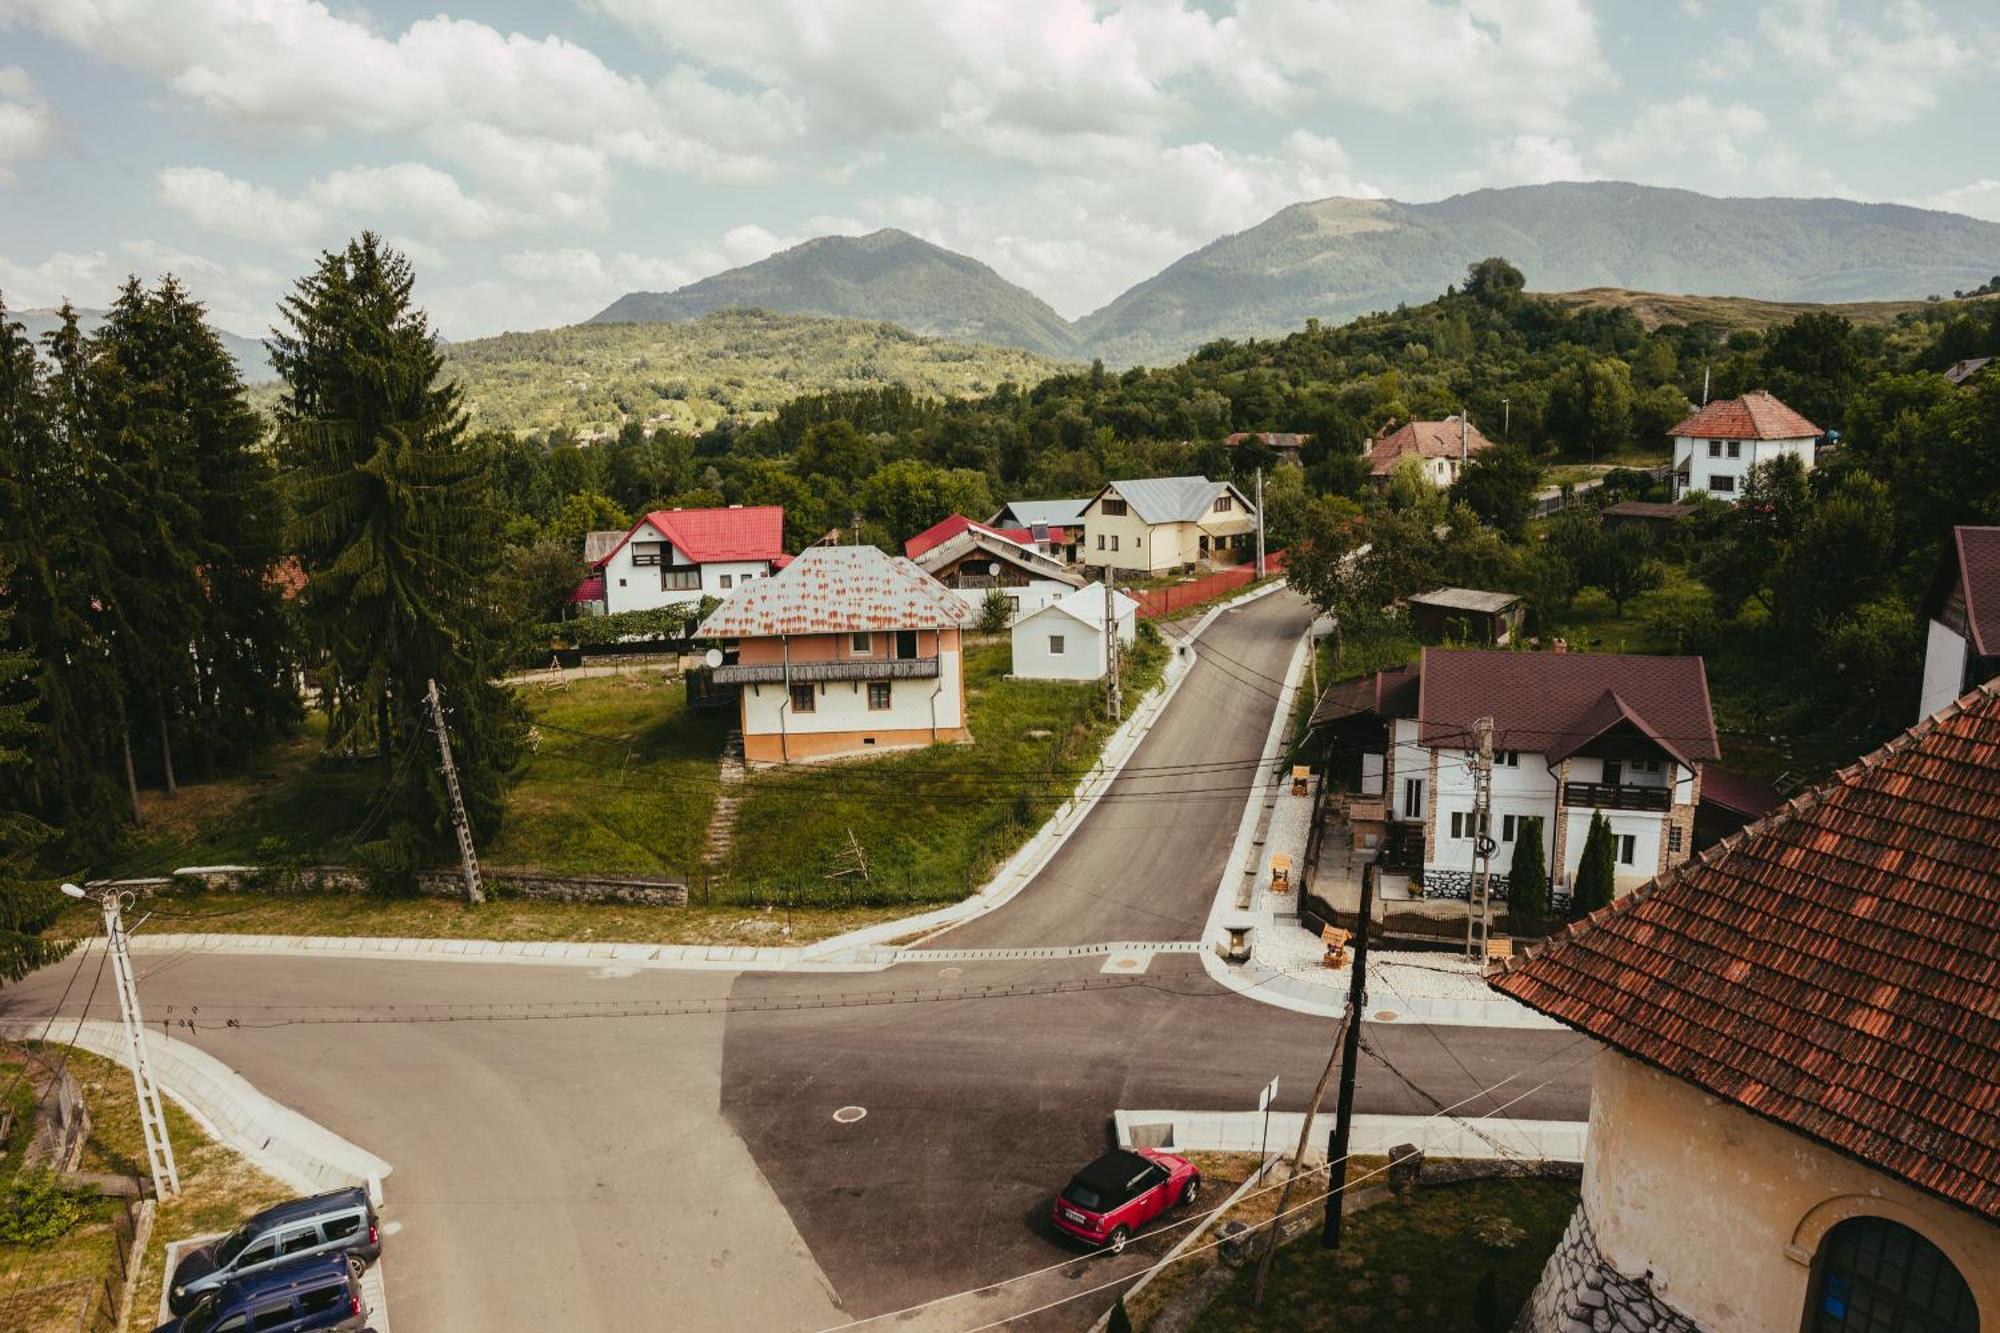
point(1877, 1276)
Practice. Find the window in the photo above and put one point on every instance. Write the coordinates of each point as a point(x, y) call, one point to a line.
point(906, 644)
point(1413, 798)
point(260, 1253)
point(621, 583)
point(1872, 1273)
point(1646, 766)
point(1224, 503)
point(1736, 448)
point(1628, 848)
point(1614, 772)
point(727, 581)
point(1464, 823)
point(1114, 541)
point(1100, 541)
point(860, 645)
point(1673, 837)
point(299, 1241)
point(1721, 484)
point(322, 1299)
point(648, 553)
point(1457, 824)
point(804, 699)
point(1715, 448)
point(342, 1227)
point(1055, 645)
point(1507, 828)
point(274, 1316)
point(680, 580)
point(878, 695)
point(1113, 508)
point(1507, 758)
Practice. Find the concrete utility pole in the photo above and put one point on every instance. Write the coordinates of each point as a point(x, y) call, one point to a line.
point(1343, 1110)
point(1117, 697)
point(1506, 417)
point(152, 1119)
point(1478, 905)
point(468, 859)
point(1347, 1020)
point(1260, 522)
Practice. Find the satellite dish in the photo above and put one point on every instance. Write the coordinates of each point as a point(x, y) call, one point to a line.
point(713, 657)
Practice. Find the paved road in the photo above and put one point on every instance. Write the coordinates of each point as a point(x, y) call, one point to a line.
point(585, 1171)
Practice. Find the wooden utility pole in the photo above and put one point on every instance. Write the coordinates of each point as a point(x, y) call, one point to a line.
point(1478, 904)
point(468, 859)
point(1347, 1020)
point(1117, 699)
point(1343, 1107)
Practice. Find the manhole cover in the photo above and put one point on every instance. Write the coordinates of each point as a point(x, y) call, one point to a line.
point(951, 973)
point(1126, 963)
point(1386, 1015)
point(847, 1115)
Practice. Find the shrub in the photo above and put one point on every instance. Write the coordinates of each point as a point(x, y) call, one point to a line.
point(1528, 882)
point(995, 612)
point(38, 1210)
point(1596, 873)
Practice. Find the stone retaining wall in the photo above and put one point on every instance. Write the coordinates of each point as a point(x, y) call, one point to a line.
point(1580, 1293)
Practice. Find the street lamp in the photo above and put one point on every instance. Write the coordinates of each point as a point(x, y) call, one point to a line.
point(152, 1116)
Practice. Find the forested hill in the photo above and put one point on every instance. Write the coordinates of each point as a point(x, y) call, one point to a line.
point(251, 359)
point(886, 275)
point(1340, 257)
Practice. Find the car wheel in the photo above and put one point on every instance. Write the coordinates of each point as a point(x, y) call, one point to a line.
point(1116, 1241)
point(1191, 1192)
point(357, 1266)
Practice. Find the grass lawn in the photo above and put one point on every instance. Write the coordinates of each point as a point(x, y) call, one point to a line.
point(931, 822)
point(1410, 1265)
point(218, 1189)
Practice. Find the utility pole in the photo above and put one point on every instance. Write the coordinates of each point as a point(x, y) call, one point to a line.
point(1506, 417)
point(1117, 698)
point(1260, 522)
point(1478, 905)
point(1343, 1107)
point(1704, 386)
point(152, 1118)
point(468, 859)
point(1347, 1020)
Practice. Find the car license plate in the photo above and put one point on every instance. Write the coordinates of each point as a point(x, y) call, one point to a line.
point(1075, 1216)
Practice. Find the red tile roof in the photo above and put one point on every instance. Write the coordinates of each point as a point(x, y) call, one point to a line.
point(590, 590)
point(941, 532)
point(1755, 416)
point(1835, 968)
point(1423, 439)
point(1556, 703)
point(740, 532)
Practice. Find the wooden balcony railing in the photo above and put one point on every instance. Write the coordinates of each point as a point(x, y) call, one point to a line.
point(772, 673)
point(1617, 796)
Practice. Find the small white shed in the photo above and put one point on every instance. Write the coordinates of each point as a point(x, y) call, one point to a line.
point(1065, 639)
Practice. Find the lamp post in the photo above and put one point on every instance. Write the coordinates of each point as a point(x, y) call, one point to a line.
point(152, 1117)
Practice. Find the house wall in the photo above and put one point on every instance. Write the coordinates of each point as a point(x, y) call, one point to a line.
point(1726, 1210)
point(1030, 596)
point(921, 709)
point(630, 587)
point(1945, 654)
point(1751, 453)
point(1408, 761)
point(1082, 657)
point(1524, 791)
point(1153, 548)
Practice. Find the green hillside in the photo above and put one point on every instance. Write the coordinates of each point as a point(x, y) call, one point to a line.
point(888, 275)
point(1731, 312)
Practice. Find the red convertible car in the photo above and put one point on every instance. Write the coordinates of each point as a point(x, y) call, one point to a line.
point(1108, 1201)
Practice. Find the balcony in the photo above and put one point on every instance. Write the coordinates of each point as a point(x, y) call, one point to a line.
point(1617, 796)
point(864, 668)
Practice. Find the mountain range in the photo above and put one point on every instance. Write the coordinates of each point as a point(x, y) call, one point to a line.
point(252, 359)
point(1333, 259)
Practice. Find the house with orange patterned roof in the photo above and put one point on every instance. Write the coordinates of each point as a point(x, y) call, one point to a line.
point(1715, 448)
point(1795, 1102)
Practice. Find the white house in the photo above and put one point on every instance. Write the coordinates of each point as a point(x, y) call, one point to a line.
point(1441, 448)
point(1157, 524)
point(1575, 735)
point(1715, 448)
point(975, 560)
point(846, 651)
point(1963, 645)
point(678, 556)
point(1065, 640)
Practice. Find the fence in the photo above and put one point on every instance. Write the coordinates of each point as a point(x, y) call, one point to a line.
point(85, 1304)
point(1166, 603)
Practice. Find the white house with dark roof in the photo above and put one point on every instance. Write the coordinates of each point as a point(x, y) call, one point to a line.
point(1156, 524)
point(1962, 644)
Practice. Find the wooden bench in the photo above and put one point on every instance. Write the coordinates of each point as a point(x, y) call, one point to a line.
point(1499, 947)
point(1281, 873)
point(1335, 940)
point(1301, 779)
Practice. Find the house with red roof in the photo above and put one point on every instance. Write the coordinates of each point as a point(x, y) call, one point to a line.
point(1962, 645)
point(673, 557)
point(1795, 1091)
point(1715, 448)
point(1575, 736)
point(975, 560)
point(1441, 449)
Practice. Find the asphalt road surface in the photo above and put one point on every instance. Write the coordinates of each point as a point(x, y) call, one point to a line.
point(570, 1154)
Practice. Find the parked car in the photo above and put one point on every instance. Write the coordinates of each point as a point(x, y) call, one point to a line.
point(339, 1222)
point(299, 1296)
point(1108, 1201)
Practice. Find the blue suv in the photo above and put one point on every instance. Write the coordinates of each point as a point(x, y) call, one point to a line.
point(305, 1296)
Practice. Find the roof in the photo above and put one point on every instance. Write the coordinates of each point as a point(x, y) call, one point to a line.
point(1086, 605)
point(838, 590)
point(1424, 439)
point(1556, 703)
point(598, 546)
point(1976, 555)
point(1055, 513)
point(940, 532)
point(976, 537)
point(1172, 499)
point(1757, 415)
point(1660, 509)
point(1961, 371)
point(1834, 968)
point(1466, 599)
point(1116, 1175)
point(1270, 439)
point(740, 532)
point(1734, 792)
point(1386, 694)
point(590, 590)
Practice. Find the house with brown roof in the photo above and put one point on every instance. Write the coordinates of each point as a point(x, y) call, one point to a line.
point(1440, 448)
point(1286, 444)
point(1715, 448)
point(1962, 645)
point(1575, 735)
point(847, 650)
point(1795, 1106)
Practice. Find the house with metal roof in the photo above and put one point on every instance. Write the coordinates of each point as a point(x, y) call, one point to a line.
point(1962, 644)
point(676, 557)
point(1156, 524)
point(975, 561)
point(1065, 640)
point(1715, 448)
point(847, 650)
point(1465, 615)
point(1795, 1101)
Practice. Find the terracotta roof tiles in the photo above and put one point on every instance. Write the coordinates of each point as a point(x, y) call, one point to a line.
point(1757, 415)
point(1424, 439)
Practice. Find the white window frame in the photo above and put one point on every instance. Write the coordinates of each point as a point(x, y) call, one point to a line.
point(1055, 645)
point(861, 643)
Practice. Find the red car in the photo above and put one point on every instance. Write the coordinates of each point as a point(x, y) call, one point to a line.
point(1108, 1201)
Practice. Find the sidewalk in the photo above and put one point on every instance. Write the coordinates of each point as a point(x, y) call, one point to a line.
point(1371, 1135)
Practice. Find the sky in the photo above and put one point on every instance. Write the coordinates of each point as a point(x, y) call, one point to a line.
point(536, 160)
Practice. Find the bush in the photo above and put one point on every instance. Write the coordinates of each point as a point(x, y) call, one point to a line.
point(38, 1210)
point(995, 612)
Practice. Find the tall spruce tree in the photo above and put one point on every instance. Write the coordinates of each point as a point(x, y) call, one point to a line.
point(1528, 882)
point(398, 534)
point(1596, 871)
point(28, 906)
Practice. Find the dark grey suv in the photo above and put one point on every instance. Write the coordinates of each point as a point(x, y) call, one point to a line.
point(342, 1220)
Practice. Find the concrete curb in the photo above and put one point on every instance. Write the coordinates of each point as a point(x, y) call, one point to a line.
point(1371, 1136)
point(303, 1154)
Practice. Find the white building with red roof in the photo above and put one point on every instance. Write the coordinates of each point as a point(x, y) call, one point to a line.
point(976, 560)
point(674, 557)
point(1715, 448)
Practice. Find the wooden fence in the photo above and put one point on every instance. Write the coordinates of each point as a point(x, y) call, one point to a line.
point(1166, 603)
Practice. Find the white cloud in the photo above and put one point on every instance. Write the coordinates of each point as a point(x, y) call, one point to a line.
point(26, 125)
point(239, 296)
point(1870, 77)
point(1698, 144)
point(1525, 159)
point(1731, 57)
point(408, 194)
point(1980, 199)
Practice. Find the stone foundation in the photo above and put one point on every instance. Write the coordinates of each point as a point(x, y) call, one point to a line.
point(1580, 1293)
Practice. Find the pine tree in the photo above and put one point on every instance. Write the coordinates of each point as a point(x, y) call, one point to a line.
point(397, 531)
point(27, 907)
point(1528, 882)
point(1596, 872)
